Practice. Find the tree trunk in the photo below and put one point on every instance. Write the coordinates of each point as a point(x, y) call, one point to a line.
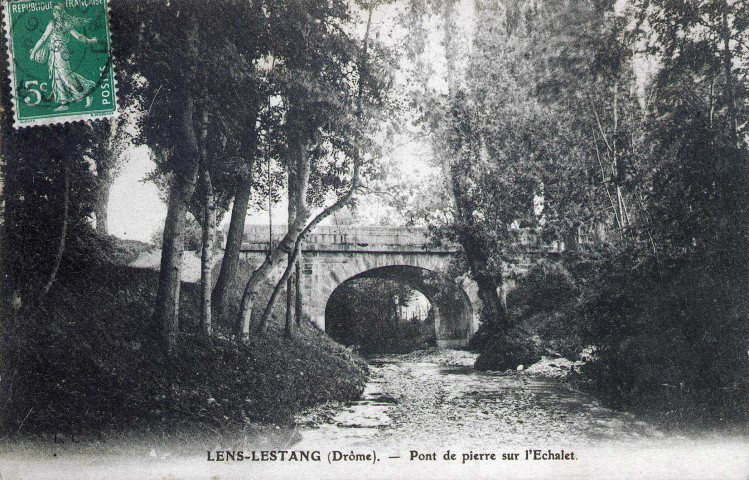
point(166, 311)
point(469, 236)
point(298, 157)
point(63, 231)
point(339, 204)
point(172, 247)
point(293, 203)
point(242, 326)
point(298, 308)
point(230, 263)
point(206, 258)
point(209, 231)
point(494, 311)
point(488, 284)
point(728, 69)
point(289, 326)
point(298, 192)
point(448, 30)
point(101, 206)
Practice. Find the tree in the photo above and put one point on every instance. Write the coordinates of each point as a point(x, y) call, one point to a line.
point(244, 182)
point(48, 198)
point(45, 235)
point(478, 127)
point(698, 180)
point(183, 60)
point(225, 173)
point(515, 124)
point(324, 96)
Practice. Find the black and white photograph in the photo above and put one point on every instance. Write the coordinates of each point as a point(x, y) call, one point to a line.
point(374, 239)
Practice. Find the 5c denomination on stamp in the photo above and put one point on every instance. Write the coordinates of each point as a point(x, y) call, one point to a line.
point(60, 60)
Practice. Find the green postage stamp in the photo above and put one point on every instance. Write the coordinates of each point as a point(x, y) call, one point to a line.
point(60, 60)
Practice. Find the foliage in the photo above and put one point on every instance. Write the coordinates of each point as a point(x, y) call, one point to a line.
point(642, 176)
point(87, 368)
point(669, 320)
point(506, 350)
point(542, 303)
point(33, 175)
point(193, 236)
point(179, 53)
point(674, 346)
point(546, 123)
point(364, 313)
point(547, 287)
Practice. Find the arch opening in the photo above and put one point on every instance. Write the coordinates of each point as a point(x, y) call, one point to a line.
point(448, 320)
point(380, 316)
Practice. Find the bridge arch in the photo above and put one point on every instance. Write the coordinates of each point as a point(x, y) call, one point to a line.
point(455, 301)
point(451, 306)
point(332, 255)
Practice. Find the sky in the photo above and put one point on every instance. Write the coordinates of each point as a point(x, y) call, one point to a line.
point(136, 209)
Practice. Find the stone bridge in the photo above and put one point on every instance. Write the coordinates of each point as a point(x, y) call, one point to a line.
point(333, 255)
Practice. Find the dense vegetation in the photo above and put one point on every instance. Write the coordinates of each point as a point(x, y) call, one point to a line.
point(620, 130)
point(669, 344)
point(365, 313)
point(300, 90)
point(90, 365)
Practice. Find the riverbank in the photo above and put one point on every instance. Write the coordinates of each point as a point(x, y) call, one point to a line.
point(432, 401)
point(81, 366)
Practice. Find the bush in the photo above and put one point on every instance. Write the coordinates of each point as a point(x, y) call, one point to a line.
point(507, 350)
point(537, 308)
point(80, 363)
point(547, 287)
point(671, 345)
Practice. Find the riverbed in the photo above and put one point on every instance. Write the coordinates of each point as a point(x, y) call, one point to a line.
point(427, 415)
point(421, 410)
point(409, 402)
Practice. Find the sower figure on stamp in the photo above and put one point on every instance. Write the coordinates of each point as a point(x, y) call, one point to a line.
point(67, 86)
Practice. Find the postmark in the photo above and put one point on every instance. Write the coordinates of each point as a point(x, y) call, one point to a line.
point(60, 60)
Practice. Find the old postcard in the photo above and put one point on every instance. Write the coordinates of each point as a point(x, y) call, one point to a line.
point(417, 239)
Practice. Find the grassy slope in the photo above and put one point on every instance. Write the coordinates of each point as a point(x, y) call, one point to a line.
point(670, 348)
point(83, 364)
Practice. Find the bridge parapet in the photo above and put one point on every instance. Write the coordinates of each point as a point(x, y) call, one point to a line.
point(354, 239)
point(343, 238)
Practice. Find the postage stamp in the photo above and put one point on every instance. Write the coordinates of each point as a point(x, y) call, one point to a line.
point(60, 60)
